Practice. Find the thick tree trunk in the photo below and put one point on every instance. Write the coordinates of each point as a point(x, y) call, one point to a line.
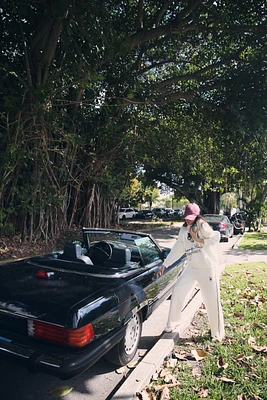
point(211, 202)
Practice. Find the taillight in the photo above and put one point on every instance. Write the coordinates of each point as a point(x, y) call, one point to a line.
point(222, 226)
point(44, 274)
point(60, 335)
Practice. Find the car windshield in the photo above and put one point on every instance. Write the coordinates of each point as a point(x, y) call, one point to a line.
point(143, 250)
point(142, 247)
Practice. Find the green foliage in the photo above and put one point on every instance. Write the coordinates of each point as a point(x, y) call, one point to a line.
point(254, 241)
point(228, 201)
point(93, 91)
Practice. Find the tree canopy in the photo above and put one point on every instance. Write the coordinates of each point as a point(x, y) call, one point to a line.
point(93, 90)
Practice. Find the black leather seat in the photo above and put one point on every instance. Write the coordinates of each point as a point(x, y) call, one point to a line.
point(73, 252)
point(119, 258)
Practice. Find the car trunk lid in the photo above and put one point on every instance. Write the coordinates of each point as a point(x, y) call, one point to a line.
point(25, 293)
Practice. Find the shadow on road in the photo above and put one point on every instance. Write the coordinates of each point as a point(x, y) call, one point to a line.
point(165, 235)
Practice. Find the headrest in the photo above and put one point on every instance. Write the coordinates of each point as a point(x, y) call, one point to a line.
point(120, 256)
point(73, 252)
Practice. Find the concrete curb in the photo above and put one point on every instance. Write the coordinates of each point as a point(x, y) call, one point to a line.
point(235, 245)
point(141, 375)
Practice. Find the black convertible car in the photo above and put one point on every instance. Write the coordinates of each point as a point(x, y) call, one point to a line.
point(61, 312)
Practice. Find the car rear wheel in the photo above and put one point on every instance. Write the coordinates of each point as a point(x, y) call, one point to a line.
point(238, 226)
point(124, 351)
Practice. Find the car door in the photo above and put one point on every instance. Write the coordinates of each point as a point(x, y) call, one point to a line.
point(129, 213)
point(156, 288)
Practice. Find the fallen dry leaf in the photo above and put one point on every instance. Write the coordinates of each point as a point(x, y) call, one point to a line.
point(60, 391)
point(132, 364)
point(122, 370)
point(163, 372)
point(239, 356)
point(171, 363)
point(203, 393)
point(255, 397)
point(142, 353)
point(199, 354)
point(251, 340)
point(221, 363)
point(170, 378)
point(259, 349)
point(224, 379)
point(155, 376)
point(261, 326)
point(146, 394)
point(184, 356)
point(239, 315)
point(202, 311)
point(165, 394)
point(255, 376)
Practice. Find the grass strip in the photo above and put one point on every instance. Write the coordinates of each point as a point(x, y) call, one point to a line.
point(254, 241)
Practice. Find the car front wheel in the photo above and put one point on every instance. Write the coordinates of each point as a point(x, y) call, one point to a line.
point(124, 351)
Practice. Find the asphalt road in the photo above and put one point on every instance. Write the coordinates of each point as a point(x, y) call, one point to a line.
point(100, 381)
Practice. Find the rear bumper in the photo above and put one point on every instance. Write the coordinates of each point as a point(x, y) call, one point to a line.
point(63, 363)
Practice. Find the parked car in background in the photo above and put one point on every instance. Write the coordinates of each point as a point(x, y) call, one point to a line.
point(222, 224)
point(127, 213)
point(178, 211)
point(169, 212)
point(239, 222)
point(159, 212)
point(144, 214)
point(61, 312)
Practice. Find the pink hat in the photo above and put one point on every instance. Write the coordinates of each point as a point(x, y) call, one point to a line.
point(191, 211)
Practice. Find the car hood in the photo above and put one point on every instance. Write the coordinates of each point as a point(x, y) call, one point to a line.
point(23, 294)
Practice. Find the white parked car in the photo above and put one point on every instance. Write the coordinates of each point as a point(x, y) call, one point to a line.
point(127, 213)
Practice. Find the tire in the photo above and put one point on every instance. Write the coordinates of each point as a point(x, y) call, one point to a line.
point(238, 226)
point(124, 351)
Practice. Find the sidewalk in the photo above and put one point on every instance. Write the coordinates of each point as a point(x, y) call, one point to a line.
point(141, 375)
